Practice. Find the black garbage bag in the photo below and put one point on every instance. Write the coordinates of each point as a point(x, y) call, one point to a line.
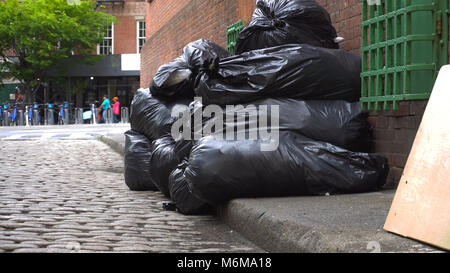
point(282, 22)
point(184, 132)
point(222, 170)
point(182, 148)
point(153, 117)
point(186, 203)
point(174, 78)
point(338, 122)
point(138, 152)
point(291, 71)
point(163, 161)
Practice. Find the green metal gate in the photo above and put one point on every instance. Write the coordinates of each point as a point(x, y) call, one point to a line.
point(232, 35)
point(404, 44)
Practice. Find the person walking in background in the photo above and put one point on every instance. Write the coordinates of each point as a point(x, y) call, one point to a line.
point(104, 107)
point(116, 109)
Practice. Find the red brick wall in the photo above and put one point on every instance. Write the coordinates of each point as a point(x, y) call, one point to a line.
point(159, 13)
point(186, 22)
point(394, 134)
point(346, 18)
point(125, 36)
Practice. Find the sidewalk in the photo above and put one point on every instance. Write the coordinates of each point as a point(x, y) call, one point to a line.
point(341, 223)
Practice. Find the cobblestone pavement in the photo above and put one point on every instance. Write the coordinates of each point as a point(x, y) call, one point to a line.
point(69, 196)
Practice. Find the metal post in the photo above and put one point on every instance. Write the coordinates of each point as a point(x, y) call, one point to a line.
point(60, 120)
point(94, 111)
point(79, 115)
point(20, 118)
point(124, 115)
point(50, 117)
point(27, 123)
point(66, 116)
point(109, 116)
point(76, 117)
point(35, 117)
point(5, 118)
point(8, 118)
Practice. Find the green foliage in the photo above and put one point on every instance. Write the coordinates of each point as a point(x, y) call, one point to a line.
point(43, 33)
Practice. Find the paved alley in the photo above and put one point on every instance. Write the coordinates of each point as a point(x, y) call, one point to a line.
point(70, 196)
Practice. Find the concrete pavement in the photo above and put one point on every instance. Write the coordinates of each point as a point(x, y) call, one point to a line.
point(341, 223)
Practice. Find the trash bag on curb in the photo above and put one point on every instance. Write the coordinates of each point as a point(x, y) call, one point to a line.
point(137, 162)
point(222, 170)
point(174, 78)
point(281, 22)
point(186, 203)
point(290, 71)
point(163, 162)
point(182, 149)
point(338, 122)
point(153, 117)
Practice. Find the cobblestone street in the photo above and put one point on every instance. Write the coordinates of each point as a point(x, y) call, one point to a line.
point(70, 196)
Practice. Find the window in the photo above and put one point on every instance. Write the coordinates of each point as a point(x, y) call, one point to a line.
point(140, 35)
point(106, 47)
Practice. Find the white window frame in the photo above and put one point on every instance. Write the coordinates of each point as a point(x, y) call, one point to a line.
point(138, 38)
point(112, 42)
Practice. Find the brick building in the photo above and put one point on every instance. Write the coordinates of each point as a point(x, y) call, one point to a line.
point(116, 74)
point(171, 24)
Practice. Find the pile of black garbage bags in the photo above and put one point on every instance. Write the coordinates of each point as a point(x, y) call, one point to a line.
point(280, 118)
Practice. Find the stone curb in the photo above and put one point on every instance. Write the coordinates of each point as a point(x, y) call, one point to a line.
point(117, 146)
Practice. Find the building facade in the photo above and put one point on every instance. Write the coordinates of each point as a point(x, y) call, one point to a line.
point(171, 24)
point(117, 73)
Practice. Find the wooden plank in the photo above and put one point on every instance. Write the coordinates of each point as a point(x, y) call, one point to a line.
point(421, 206)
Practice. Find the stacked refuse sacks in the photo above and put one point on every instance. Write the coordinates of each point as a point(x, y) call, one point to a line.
point(279, 120)
point(281, 22)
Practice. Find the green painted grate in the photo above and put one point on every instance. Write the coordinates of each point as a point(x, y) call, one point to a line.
point(404, 44)
point(232, 35)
